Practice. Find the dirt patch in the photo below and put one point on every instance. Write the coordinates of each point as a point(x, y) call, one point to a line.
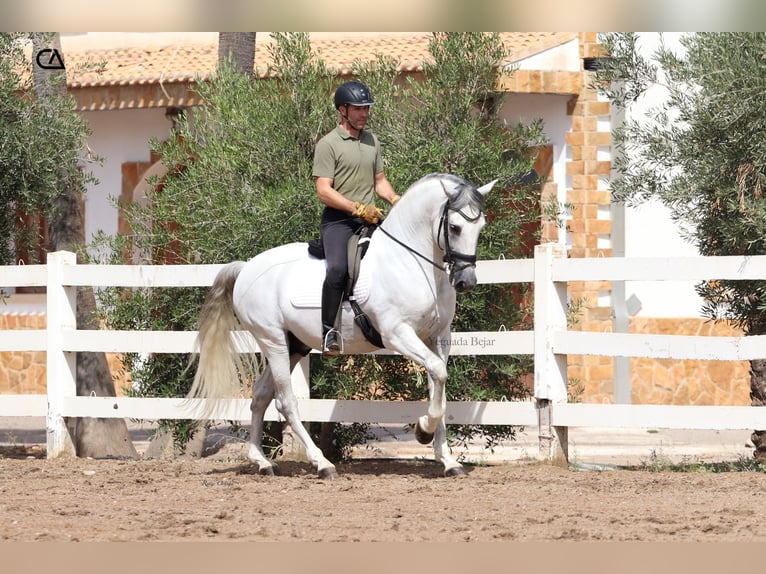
point(223, 498)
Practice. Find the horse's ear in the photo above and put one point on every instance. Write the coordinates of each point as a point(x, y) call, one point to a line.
point(485, 189)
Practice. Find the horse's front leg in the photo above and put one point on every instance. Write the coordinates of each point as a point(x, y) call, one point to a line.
point(437, 402)
point(434, 355)
point(431, 426)
point(438, 429)
point(443, 453)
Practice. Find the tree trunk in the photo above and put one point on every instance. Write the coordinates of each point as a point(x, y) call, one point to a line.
point(758, 399)
point(92, 437)
point(240, 47)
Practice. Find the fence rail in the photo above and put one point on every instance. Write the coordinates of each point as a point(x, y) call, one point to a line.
point(550, 343)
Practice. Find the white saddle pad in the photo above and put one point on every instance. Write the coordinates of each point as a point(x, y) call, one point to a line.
point(307, 292)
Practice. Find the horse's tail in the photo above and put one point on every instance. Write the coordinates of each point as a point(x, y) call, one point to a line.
point(220, 365)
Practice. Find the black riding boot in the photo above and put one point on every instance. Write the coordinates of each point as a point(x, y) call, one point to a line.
point(332, 343)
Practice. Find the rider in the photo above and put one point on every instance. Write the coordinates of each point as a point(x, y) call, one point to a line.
point(348, 172)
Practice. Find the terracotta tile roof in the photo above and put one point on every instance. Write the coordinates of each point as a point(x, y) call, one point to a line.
point(185, 63)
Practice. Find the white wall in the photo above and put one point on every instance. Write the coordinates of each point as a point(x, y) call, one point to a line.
point(563, 57)
point(526, 108)
point(118, 136)
point(649, 231)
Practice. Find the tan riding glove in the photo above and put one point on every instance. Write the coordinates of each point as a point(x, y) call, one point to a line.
point(367, 213)
point(396, 198)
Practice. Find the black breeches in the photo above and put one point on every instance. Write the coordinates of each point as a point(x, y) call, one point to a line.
point(335, 236)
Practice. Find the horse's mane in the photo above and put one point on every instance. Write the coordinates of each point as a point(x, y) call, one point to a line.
point(465, 193)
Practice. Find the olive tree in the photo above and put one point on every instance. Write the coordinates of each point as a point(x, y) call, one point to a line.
point(41, 143)
point(42, 152)
point(702, 153)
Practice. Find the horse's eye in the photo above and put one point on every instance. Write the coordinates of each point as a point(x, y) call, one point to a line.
point(455, 229)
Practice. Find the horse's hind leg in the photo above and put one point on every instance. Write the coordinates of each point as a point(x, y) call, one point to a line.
point(263, 393)
point(281, 365)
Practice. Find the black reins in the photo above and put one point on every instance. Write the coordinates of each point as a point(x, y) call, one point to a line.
point(414, 252)
point(451, 258)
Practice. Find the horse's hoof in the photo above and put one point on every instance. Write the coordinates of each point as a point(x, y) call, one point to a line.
point(328, 473)
point(454, 472)
point(423, 436)
point(267, 471)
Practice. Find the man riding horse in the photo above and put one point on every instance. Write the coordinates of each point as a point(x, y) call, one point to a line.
point(426, 247)
point(348, 171)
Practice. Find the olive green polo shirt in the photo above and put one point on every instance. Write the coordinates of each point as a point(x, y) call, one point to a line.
point(350, 162)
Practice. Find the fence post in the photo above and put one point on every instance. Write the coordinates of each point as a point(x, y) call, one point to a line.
point(550, 368)
point(61, 303)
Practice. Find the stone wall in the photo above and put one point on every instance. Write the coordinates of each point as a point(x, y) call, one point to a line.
point(23, 372)
point(671, 382)
point(668, 381)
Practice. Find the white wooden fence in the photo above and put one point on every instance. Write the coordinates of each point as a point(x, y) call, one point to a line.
point(550, 342)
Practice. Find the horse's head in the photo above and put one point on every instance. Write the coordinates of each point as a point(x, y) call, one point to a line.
point(461, 223)
point(455, 224)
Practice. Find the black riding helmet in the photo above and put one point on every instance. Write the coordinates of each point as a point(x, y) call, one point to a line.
point(353, 93)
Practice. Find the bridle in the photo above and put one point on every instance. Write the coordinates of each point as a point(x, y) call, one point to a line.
point(453, 261)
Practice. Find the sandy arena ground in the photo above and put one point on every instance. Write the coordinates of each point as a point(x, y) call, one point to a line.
point(506, 497)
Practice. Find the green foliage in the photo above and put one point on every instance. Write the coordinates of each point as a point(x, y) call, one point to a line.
point(240, 181)
point(701, 152)
point(41, 144)
point(240, 168)
point(660, 463)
